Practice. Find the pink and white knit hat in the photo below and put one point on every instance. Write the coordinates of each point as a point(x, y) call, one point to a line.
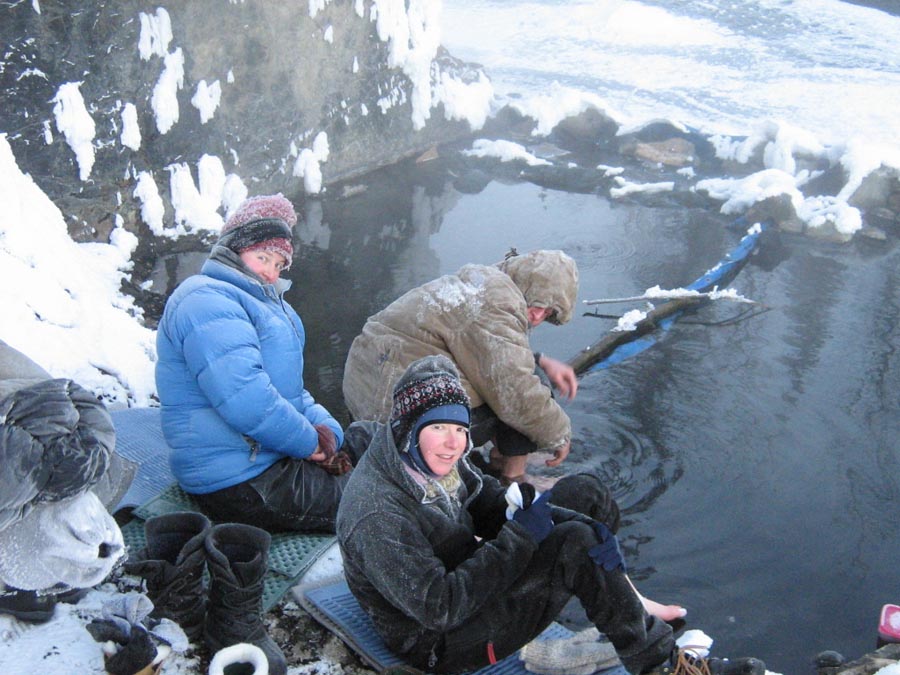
point(261, 223)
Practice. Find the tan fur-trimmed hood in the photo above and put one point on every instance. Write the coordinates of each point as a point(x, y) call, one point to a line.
point(547, 278)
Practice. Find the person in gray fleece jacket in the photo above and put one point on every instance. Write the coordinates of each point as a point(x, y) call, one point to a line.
point(453, 572)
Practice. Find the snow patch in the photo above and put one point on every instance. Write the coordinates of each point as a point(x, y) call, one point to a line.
point(74, 122)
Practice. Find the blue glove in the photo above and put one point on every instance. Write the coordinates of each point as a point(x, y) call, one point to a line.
point(537, 518)
point(606, 554)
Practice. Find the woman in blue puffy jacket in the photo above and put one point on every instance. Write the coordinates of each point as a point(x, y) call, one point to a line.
point(248, 441)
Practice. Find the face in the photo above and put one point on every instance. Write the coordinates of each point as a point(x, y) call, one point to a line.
point(537, 315)
point(267, 264)
point(442, 444)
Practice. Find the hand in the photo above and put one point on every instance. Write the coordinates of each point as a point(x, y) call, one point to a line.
point(537, 518)
point(607, 553)
point(559, 454)
point(338, 464)
point(317, 456)
point(327, 442)
point(561, 376)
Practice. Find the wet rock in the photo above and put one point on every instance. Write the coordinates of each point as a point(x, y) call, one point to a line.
point(670, 152)
point(828, 182)
point(828, 659)
point(591, 126)
point(655, 131)
point(568, 178)
point(874, 190)
point(778, 210)
point(472, 181)
point(548, 151)
point(867, 665)
point(510, 123)
point(884, 218)
point(827, 231)
point(870, 232)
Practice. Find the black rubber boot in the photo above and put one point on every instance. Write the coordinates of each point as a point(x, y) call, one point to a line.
point(172, 564)
point(27, 605)
point(682, 663)
point(237, 556)
point(745, 665)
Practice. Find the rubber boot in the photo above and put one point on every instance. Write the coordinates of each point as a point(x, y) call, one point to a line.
point(681, 662)
point(172, 564)
point(27, 605)
point(237, 556)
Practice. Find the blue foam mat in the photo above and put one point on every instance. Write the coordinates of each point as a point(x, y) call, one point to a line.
point(334, 606)
point(139, 438)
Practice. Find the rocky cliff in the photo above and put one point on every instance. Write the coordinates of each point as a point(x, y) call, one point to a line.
point(133, 111)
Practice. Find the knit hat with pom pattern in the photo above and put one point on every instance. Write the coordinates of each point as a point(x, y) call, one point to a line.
point(261, 223)
point(428, 392)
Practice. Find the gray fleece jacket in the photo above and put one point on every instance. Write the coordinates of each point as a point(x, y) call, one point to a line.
point(411, 557)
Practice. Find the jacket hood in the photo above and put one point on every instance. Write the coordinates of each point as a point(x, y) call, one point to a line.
point(56, 443)
point(386, 456)
point(547, 279)
point(241, 276)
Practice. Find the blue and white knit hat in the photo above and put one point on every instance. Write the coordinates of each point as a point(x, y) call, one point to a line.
point(428, 392)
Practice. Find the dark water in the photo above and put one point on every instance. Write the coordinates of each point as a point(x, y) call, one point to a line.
point(757, 461)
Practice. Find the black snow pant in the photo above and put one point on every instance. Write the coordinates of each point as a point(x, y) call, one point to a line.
point(486, 426)
point(561, 568)
point(291, 495)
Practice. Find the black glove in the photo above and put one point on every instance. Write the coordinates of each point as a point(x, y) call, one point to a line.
point(536, 518)
point(135, 646)
point(528, 492)
point(606, 554)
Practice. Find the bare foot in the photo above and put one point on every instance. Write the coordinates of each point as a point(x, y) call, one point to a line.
point(660, 611)
point(664, 612)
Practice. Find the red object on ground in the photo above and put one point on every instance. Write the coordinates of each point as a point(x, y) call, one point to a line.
point(889, 623)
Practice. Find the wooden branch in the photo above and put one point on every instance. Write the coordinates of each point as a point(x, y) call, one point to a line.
point(584, 360)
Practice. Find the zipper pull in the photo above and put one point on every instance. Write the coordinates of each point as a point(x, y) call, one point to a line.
point(432, 658)
point(254, 447)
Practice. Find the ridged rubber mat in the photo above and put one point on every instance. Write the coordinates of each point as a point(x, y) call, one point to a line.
point(333, 605)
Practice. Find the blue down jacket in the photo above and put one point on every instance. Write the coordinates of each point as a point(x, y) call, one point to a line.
point(230, 377)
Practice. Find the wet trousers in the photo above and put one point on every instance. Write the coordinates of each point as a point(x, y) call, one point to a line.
point(486, 426)
point(559, 570)
point(291, 495)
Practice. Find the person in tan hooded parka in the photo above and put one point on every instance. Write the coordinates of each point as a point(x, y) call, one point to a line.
point(480, 317)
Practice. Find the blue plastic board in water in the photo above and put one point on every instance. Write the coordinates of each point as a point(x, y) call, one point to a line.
point(723, 273)
point(335, 607)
